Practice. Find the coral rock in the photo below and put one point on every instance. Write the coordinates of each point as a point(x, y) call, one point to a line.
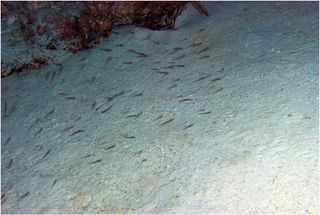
point(75, 26)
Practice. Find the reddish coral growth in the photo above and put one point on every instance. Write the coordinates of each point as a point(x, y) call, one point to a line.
point(86, 30)
point(85, 23)
point(36, 63)
point(80, 25)
point(97, 18)
point(69, 27)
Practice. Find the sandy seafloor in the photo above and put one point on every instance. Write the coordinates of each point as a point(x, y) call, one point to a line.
point(253, 146)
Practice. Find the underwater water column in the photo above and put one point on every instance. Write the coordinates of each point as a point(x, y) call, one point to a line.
point(217, 115)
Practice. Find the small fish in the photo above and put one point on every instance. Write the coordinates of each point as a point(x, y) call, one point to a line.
point(115, 95)
point(165, 51)
point(86, 156)
point(38, 147)
point(62, 94)
point(166, 122)
point(138, 94)
point(177, 79)
point(52, 77)
point(107, 109)
point(147, 37)
point(91, 80)
point(119, 45)
point(184, 100)
point(183, 39)
point(168, 67)
point(37, 120)
point(128, 62)
point(195, 44)
point(3, 199)
point(154, 69)
point(46, 154)
point(9, 165)
point(135, 115)
point(107, 50)
point(179, 65)
point(54, 182)
point(49, 113)
point(68, 128)
point(109, 59)
point(144, 160)
point(203, 50)
point(156, 42)
point(200, 79)
point(140, 54)
point(38, 132)
point(7, 141)
point(110, 147)
point(208, 112)
point(159, 117)
point(221, 70)
point(128, 136)
point(163, 73)
point(24, 195)
point(70, 97)
point(139, 152)
point(12, 110)
point(180, 57)
point(82, 59)
point(60, 68)
point(96, 161)
point(221, 88)
point(77, 119)
point(188, 126)
point(173, 86)
point(93, 105)
point(98, 107)
point(76, 132)
point(203, 57)
point(177, 48)
point(139, 114)
point(131, 50)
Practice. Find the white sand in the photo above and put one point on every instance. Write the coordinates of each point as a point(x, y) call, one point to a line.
point(256, 152)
